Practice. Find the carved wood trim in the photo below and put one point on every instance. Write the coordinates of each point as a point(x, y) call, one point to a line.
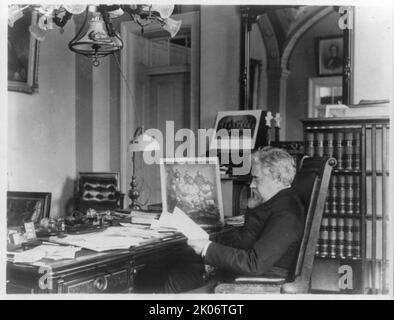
point(298, 32)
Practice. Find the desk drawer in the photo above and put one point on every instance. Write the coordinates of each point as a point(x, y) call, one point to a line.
point(100, 283)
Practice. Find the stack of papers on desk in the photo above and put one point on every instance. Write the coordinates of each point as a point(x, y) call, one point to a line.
point(113, 238)
point(54, 252)
point(141, 217)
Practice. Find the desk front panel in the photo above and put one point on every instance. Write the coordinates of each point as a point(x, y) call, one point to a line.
point(94, 272)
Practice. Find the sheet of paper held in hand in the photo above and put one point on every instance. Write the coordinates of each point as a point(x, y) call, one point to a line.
point(182, 222)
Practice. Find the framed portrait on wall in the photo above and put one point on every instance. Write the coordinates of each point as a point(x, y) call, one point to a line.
point(23, 50)
point(330, 56)
point(193, 185)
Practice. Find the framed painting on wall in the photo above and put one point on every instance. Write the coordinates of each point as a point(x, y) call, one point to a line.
point(330, 56)
point(23, 51)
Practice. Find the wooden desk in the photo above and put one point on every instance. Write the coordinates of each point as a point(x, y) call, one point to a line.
point(94, 272)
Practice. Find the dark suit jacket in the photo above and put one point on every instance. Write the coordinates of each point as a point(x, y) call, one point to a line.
point(269, 240)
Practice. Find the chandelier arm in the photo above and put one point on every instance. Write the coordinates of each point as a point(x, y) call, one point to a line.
point(101, 8)
point(108, 24)
point(61, 22)
point(129, 11)
point(80, 30)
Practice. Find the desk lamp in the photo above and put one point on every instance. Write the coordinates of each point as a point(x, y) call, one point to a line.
point(141, 142)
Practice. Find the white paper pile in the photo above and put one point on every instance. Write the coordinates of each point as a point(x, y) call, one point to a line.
point(112, 238)
point(54, 252)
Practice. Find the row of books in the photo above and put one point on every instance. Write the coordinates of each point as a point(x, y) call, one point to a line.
point(343, 195)
point(339, 238)
point(343, 146)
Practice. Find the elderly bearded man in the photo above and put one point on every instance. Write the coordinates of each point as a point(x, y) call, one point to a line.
point(269, 241)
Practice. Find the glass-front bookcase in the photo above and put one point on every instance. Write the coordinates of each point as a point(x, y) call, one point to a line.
point(354, 229)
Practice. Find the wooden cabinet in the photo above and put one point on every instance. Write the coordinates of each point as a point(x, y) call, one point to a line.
point(353, 234)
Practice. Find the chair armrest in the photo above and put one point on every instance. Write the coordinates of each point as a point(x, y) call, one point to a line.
point(260, 280)
point(299, 285)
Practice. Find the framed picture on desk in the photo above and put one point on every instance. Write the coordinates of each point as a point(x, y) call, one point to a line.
point(193, 185)
point(235, 130)
point(27, 207)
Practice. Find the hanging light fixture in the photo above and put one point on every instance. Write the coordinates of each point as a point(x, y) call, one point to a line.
point(172, 26)
point(96, 38)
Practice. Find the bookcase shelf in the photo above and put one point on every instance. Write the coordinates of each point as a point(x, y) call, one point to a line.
point(345, 172)
point(345, 215)
point(353, 216)
point(354, 223)
point(356, 172)
point(352, 258)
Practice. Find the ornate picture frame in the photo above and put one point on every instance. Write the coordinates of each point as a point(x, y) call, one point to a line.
point(25, 206)
point(23, 53)
point(330, 56)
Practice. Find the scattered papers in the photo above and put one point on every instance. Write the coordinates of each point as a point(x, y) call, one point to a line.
point(181, 222)
point(124, 237)
point(54, 252)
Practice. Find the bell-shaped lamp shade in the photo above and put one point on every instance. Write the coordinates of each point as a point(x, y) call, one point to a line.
point(75, 8)
point(48, 9)
point(143, 142)
point(116, 13)
point(172, 26)
point(164, 11)
point(93, 39)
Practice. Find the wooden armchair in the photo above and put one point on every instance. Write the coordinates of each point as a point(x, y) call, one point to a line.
point(98, 191)
point(311, 182)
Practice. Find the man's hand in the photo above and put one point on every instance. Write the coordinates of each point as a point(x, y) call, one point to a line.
point(199, 245)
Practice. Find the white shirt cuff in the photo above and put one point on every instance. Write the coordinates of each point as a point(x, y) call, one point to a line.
point(204, 251)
